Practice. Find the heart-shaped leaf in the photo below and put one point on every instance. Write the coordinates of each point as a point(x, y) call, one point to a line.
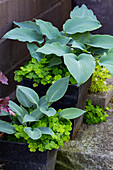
point(24, 35)
point(6, 127)
point(101, 41)
point(55, 61)
point(48, 29)
point(37, 114)
point(80, 67)
point(71, 113)
point(15, 108)
point(29, 118)
point(63, 40)
point(48, 111)
point(54, 48)
point(30, 94)
point(107, 61)
point(57, 90)
point(46, 130)
point(32, 49)
point(33, 134)
point(77, 44)
point(83, 11)
point(28, 24)
point(80, 25)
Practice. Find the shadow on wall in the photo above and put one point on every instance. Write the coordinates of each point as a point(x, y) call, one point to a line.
point(103, 10)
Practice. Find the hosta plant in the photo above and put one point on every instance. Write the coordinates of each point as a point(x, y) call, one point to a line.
point(75, 47)
point(36, 122)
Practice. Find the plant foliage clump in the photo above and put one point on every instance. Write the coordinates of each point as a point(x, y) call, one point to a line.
point(93, 114)
point(98, 83)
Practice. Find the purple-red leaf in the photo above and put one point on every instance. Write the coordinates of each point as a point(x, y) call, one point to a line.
point(4, 102)
point(3, 78)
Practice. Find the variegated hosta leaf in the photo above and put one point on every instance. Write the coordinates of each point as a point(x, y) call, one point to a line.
point(101, 41)
point(46, 130)
point(48, 111)
point(83, 11)
point(54, 48)
point(61, 39)
point(28, 24)
point(80, 25)
point(32, 49)
point(57, 90)
point(71, 113)
point(6, 127)
point(107, 61)
point(81, 67)
point(33, 134)
point(24, 35)
point(48, 29)
point(77, 44)
point(15, 108)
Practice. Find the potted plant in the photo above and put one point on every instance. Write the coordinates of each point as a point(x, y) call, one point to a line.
point(37, 124)
point(71, 52)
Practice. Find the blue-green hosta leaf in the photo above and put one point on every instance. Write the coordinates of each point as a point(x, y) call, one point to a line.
point(14, 107)
point(54, 48)
point(110, 50)
point(83, 11)
point(80, 67)
point(71, 113)
point(3, 113)
point(46, 130)
point(43, 101)
point(28, 24)
point(80, 25)
point(81, 37)
point(29, 118)
point(30, 94)
point(101, 41)
point(25, 112)
point(48, 111)
point(61, 39)
point(22, 98)
point(6, 127)
point(33, 134)
point(77, 44)
point(107, 61)
point(24, 35)
point(32, 49)
point(37, 114)
point(48, 29)
point(55, 61)
point(57, 90)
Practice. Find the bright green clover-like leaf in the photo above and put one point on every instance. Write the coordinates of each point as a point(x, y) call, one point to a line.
point(28, 24)
point(83, 11)
point(54, 48)
point(80, 67)
point(33, 134)
point(101, 41)
point(32, 49)
point(24, 35)
point(71, 113)
point(46, 130)
point(107, 61)
point(6, 127)
point(80, 25)
point(48, 111)
point(57, 90)
point(48, 29)
point(29, 94)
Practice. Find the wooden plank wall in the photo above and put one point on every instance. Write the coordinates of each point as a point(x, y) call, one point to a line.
point(12, 53)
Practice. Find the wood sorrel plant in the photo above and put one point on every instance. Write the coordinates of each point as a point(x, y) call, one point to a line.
point(35, 122)
point(74, 47)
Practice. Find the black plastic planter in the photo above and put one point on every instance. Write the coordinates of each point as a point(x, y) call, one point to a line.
point(16, 156)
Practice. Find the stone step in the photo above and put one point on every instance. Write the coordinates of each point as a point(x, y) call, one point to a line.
point(91, 149)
